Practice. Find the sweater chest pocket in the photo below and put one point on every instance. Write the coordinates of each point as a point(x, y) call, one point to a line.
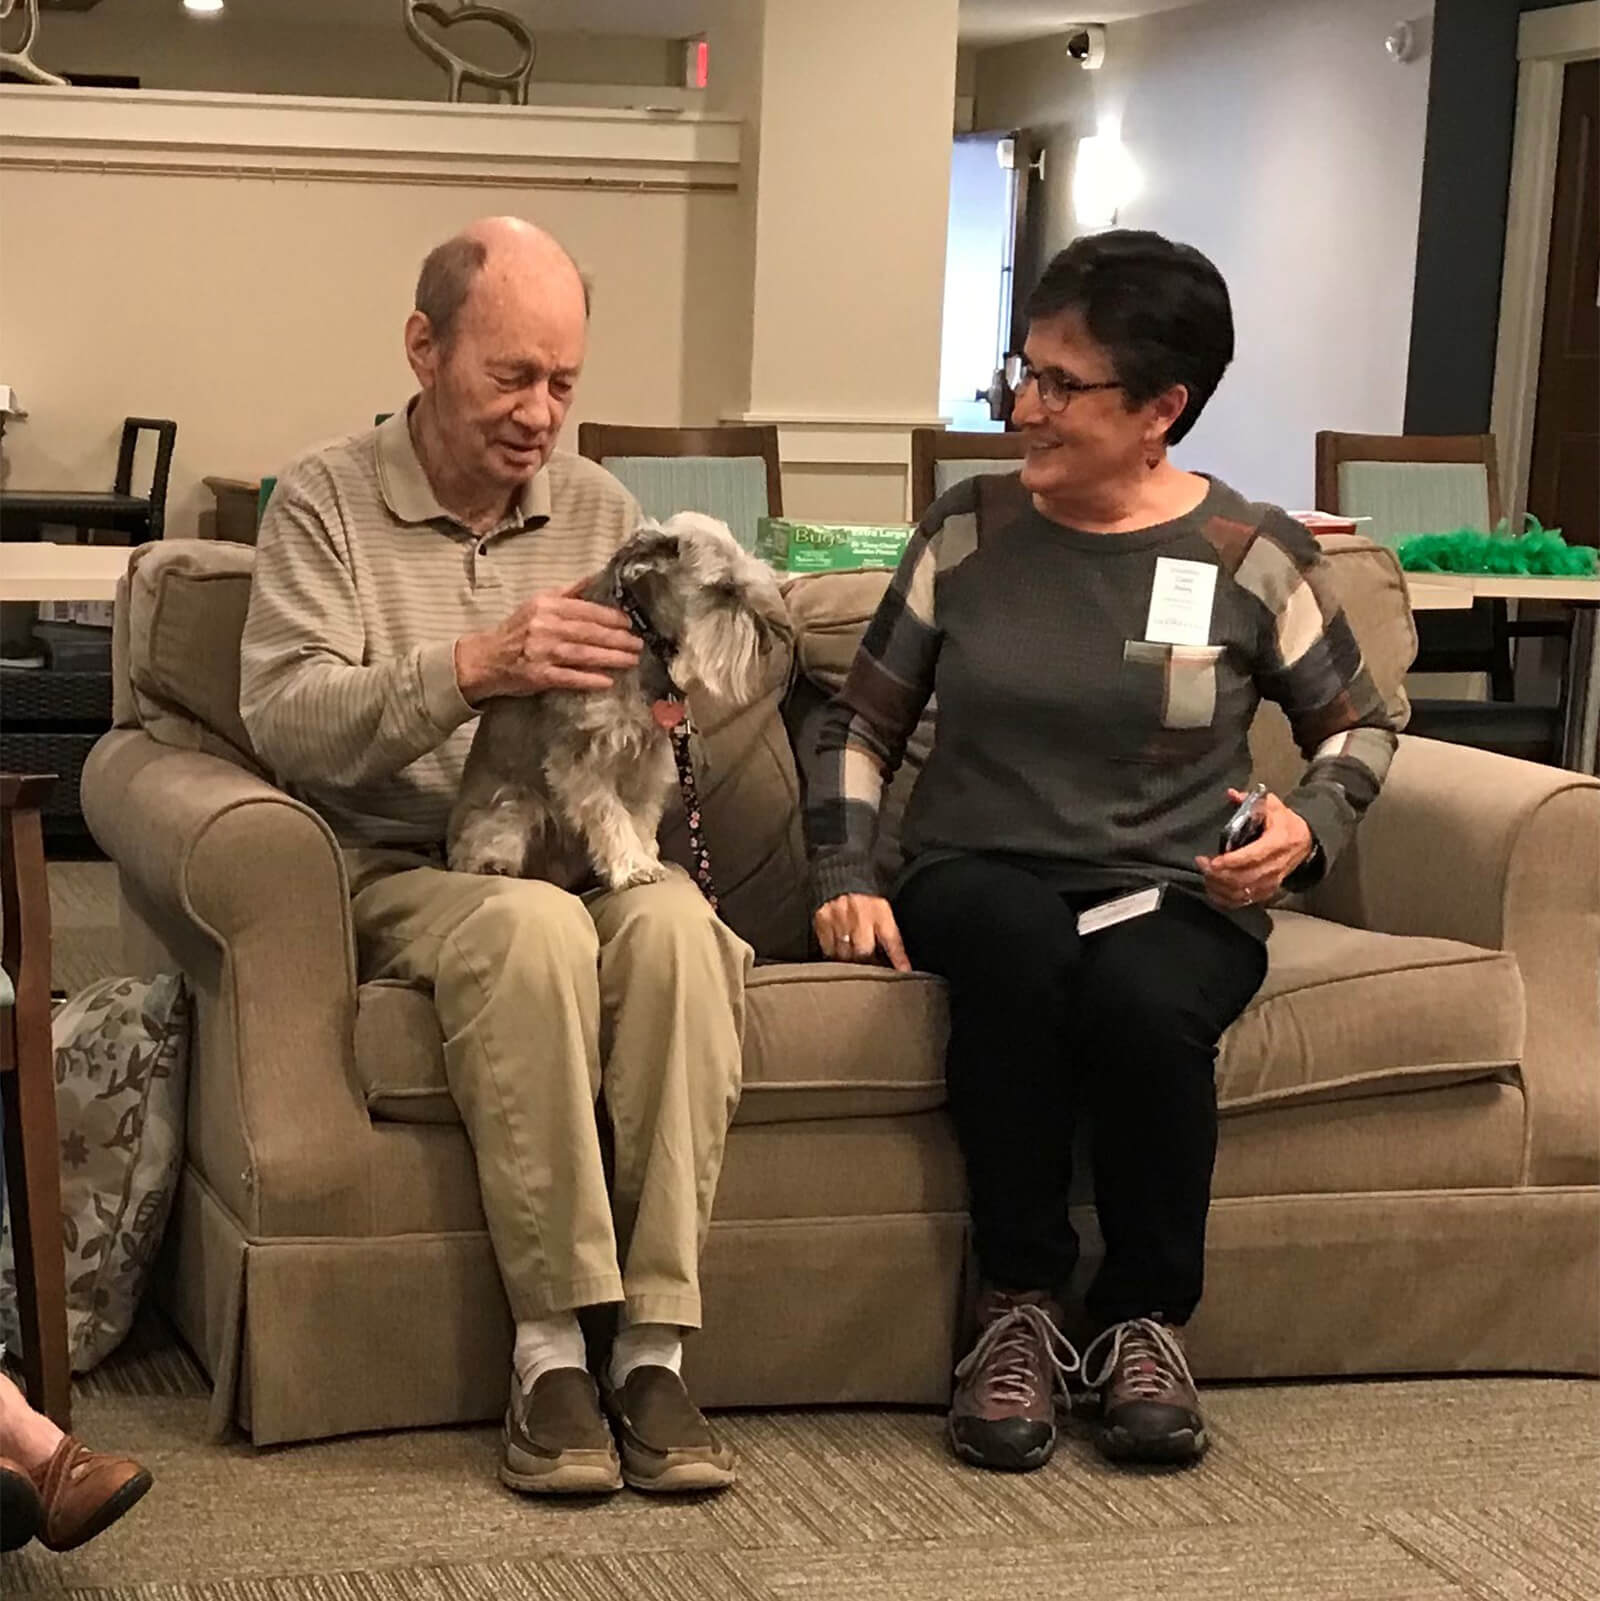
point(1184, 677)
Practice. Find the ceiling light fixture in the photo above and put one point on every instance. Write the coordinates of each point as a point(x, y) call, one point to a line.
point(203, 8)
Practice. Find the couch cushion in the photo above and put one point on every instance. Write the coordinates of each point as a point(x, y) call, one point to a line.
point(180, 617)
point(1372, 590)
point(750, 798)
point(831, 612)
point(184, 602)
point(879, 1052)
point(1344, 1015)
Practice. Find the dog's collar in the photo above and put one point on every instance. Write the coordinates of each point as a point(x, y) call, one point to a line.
point(663, 648)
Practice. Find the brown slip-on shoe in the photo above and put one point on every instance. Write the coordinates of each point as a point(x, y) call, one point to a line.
point(667, 1445)
point(1149, 1411)
point(21, 1511)
point(556, 1439)
point(1003, 1414)
point(83, 1492)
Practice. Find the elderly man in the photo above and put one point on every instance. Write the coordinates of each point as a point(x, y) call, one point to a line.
point(403, 577)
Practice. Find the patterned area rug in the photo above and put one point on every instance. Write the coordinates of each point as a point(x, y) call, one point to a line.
point(1432, 1490)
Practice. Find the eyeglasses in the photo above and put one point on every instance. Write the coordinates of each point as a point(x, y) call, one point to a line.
point(1056, 387)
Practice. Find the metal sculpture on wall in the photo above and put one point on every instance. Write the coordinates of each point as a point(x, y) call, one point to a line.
point(513, 82)
point(20, 60)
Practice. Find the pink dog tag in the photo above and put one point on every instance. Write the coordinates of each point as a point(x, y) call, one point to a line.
point(667, 713)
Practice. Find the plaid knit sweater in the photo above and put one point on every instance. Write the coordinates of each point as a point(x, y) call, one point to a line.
point(1066, 738)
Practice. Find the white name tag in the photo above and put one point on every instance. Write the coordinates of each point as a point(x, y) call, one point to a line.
point(1139, 904)
point(1180, 602)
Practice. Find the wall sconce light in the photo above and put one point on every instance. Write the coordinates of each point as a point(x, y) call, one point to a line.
point(1104, 178)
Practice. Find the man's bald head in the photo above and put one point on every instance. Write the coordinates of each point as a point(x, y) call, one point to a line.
point(502, 243)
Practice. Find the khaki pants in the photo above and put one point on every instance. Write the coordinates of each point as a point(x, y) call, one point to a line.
point(544, 1000)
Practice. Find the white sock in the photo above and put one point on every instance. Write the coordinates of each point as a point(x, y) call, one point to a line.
point(645, 1344)
point(548, 1342)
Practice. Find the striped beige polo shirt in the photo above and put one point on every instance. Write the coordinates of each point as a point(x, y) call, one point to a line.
point(363, 583)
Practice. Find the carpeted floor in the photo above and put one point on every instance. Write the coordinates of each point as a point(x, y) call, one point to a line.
point(1445, 1490)
point(1441, 1490)
point(84, 941)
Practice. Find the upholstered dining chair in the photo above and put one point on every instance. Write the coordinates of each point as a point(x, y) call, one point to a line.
point(28, 1086)
point(1427, 484)
point(941, 457)
point(731, 473)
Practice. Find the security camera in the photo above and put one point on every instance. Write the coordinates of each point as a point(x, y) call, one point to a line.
point(1086, 44)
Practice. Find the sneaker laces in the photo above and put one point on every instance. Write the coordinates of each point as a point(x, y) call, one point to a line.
point(1009, 1343)
point(1148, 1350)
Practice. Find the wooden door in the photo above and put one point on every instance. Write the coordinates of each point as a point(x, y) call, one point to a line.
point(1564, 475)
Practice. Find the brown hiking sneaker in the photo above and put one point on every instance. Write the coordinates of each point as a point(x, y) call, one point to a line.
point(556, 1440)
point(1149, 1411)
point(667, 1445)
point(1004, 1412)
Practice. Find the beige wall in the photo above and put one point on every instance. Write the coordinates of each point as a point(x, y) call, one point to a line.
point(243, 52)
point(264, 312)
point(265, 315)
point(1278, 137)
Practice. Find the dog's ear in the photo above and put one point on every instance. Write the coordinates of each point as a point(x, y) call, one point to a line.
point(647, 552)
point(656, 549)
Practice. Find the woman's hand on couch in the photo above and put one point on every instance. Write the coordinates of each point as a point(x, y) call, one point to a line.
point(854, 928)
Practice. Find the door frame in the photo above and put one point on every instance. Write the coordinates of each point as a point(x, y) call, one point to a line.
point(1546, 42)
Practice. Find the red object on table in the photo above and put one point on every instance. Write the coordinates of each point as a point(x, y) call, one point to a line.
point(1325, 522)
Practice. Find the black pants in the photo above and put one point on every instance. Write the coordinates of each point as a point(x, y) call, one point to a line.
point(1121, 1027)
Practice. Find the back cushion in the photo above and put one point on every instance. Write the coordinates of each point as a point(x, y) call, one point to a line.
point(179, 622)
point(831, 612)
point(750, 801)
point(1372, 590)
point(184, 603)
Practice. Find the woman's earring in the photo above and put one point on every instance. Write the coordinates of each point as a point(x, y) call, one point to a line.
point(1152, 456)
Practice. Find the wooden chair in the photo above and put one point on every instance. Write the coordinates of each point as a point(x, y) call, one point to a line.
point(23, 513)
point(941, 457)
point(1436, 483)
point(28, 1085)
point(732, 473)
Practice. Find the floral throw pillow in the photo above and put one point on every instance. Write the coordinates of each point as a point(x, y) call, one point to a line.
point(121, 1058)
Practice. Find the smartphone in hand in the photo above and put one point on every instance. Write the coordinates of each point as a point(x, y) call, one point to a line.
point(1248, 822)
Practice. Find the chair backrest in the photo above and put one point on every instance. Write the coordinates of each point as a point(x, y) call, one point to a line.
point(166, 432)
point(1409, 483)
point(730, 473)
point(941, 457)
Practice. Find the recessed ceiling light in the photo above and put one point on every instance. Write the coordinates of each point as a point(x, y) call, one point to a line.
point(202, 8)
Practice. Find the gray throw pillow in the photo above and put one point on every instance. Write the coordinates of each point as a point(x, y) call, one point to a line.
point(121, 1059)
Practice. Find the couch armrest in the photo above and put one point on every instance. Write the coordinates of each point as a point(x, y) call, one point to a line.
point(1464, 844)
point(247, 889)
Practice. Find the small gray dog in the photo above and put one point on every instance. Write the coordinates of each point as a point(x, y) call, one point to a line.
point(570, 785)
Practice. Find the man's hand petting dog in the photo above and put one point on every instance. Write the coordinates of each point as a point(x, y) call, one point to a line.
point(554, 641)
point(854, 928)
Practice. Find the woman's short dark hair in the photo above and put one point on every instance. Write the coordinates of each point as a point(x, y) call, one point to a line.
point(1160, 309)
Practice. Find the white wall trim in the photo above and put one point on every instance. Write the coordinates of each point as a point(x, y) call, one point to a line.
point(1560, 33)
point(854, 441)
point(296, 135)
point(1546, 42)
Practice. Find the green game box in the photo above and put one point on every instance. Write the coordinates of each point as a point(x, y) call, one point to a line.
point(796, 547)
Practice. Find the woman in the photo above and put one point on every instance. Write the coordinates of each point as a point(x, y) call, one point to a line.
point(1098, 631)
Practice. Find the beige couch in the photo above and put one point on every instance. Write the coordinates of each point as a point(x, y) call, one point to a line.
point(1409, 1174)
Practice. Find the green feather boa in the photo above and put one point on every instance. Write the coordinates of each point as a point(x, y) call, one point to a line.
point(1537, 553)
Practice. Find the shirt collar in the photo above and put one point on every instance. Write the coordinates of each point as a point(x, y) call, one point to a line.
point(409, 495)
